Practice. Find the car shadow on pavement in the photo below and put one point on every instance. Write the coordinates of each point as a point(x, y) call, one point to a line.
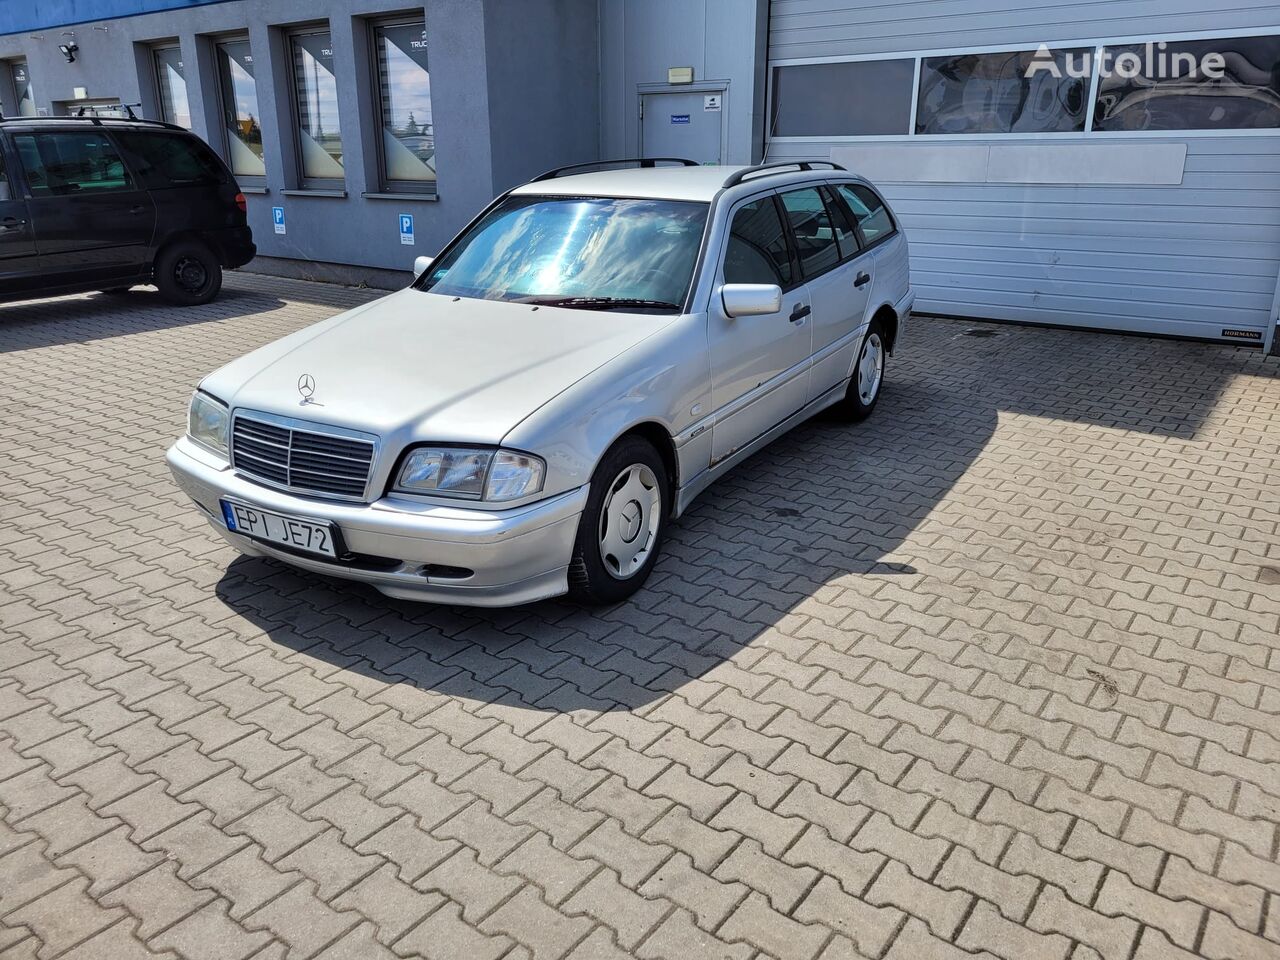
point(792, 546)
point(30, 324)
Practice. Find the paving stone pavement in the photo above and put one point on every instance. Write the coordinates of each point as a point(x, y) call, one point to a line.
point(994, 674)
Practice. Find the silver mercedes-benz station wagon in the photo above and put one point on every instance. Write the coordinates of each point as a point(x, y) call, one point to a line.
point(588, 355)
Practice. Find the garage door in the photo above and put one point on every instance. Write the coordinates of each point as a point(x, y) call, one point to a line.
point(1046, 172)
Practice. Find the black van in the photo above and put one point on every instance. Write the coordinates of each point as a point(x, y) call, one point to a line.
point(97, 204)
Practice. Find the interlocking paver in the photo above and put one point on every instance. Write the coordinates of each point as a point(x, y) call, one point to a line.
point(994, 674)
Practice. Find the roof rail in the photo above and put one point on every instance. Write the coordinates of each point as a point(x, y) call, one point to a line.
point(91, 118)
point(777, 166)
point(642, 161)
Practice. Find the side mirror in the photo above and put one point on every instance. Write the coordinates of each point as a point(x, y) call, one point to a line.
point(751, 299)
point(420, 265)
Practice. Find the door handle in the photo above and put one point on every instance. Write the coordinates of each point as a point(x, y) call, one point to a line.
point(136, 210)
point(862, 280)
point(799, 312)
point(13, 221)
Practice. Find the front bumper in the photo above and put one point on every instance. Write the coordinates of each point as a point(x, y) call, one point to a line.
point(517, 556)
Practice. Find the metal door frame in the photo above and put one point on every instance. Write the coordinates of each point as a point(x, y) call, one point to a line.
point(705, 86)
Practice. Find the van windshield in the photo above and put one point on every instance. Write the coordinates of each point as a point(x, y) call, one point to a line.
point(595, 253)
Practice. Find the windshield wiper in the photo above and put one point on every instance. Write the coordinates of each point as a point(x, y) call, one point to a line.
point(601, 303)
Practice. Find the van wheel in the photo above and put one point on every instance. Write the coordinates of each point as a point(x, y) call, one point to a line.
point(621, 529)
point(188, 273)
point(867, 382)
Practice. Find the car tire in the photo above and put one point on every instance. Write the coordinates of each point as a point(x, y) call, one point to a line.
point(867, 382)
point(188, 273)
point(621, 529)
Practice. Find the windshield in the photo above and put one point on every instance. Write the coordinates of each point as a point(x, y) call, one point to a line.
point(585, 252)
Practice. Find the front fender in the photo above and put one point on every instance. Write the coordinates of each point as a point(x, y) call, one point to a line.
point(664, 380)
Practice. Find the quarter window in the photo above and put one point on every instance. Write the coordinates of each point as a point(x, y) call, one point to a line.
point(315, 92)
point(869, 210)
point(757, 249)
point(1010, 92)
point(164, 160)
point(407, 146)
point(1229, 84)
point(171, 85)
point(63, 163)
point(240, 109)
point(811, 227)
point(861, 98)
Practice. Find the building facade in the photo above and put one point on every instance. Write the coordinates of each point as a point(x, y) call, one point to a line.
point(363, 133)
point(1084, 164)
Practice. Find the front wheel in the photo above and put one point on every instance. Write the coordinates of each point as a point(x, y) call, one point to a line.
point(868, 376)
point(188, 273)
point(622, 525)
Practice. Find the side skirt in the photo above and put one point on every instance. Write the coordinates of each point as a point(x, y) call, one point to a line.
point(690, 491)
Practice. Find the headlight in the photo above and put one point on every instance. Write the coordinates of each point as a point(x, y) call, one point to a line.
point(207, 422)
point(473, 474)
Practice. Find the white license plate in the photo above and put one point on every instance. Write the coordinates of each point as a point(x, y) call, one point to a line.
point(292, 532)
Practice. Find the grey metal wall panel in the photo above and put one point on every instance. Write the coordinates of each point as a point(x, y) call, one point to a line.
point(1187, 259)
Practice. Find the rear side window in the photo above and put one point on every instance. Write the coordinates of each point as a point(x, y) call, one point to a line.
point(62, 163)
point(170, 159)
point(869, 210)
point(814, 234)
point(757, 249)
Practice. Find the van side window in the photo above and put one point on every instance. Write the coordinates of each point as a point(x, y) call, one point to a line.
point(170, 159)
point(57, 164)
point(815, 237)
point(869, 210)
point(757, 249)
point(5, 193)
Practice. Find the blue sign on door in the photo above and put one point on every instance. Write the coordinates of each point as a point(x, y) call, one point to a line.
point(679, 118)
point(406, 229)
point(277, 217)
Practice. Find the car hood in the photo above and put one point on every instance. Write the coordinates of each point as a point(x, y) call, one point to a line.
point(420, 366)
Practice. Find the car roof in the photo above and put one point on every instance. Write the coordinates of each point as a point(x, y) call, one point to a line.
point(665, 183)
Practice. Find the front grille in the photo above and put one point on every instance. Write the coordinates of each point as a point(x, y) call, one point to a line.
point(300, 459)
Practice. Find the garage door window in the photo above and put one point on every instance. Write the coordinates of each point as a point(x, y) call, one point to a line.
point(1008, 92)
point(757, 250)
point(1229, 84)
point(855, 99)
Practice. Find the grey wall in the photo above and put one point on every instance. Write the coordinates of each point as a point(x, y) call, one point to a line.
point(504, 108)
point(723, 40)
point(1189, 258)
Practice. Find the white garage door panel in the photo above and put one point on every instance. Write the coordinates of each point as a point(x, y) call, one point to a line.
point(1176, 234)
point(933, 161)
point(1258, 272)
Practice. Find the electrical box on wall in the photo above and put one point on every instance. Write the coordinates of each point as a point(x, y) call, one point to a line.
point(679, 74)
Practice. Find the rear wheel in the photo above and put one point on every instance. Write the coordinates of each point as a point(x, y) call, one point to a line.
point(188, 273)
point(621, 529)
point(868, 375)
